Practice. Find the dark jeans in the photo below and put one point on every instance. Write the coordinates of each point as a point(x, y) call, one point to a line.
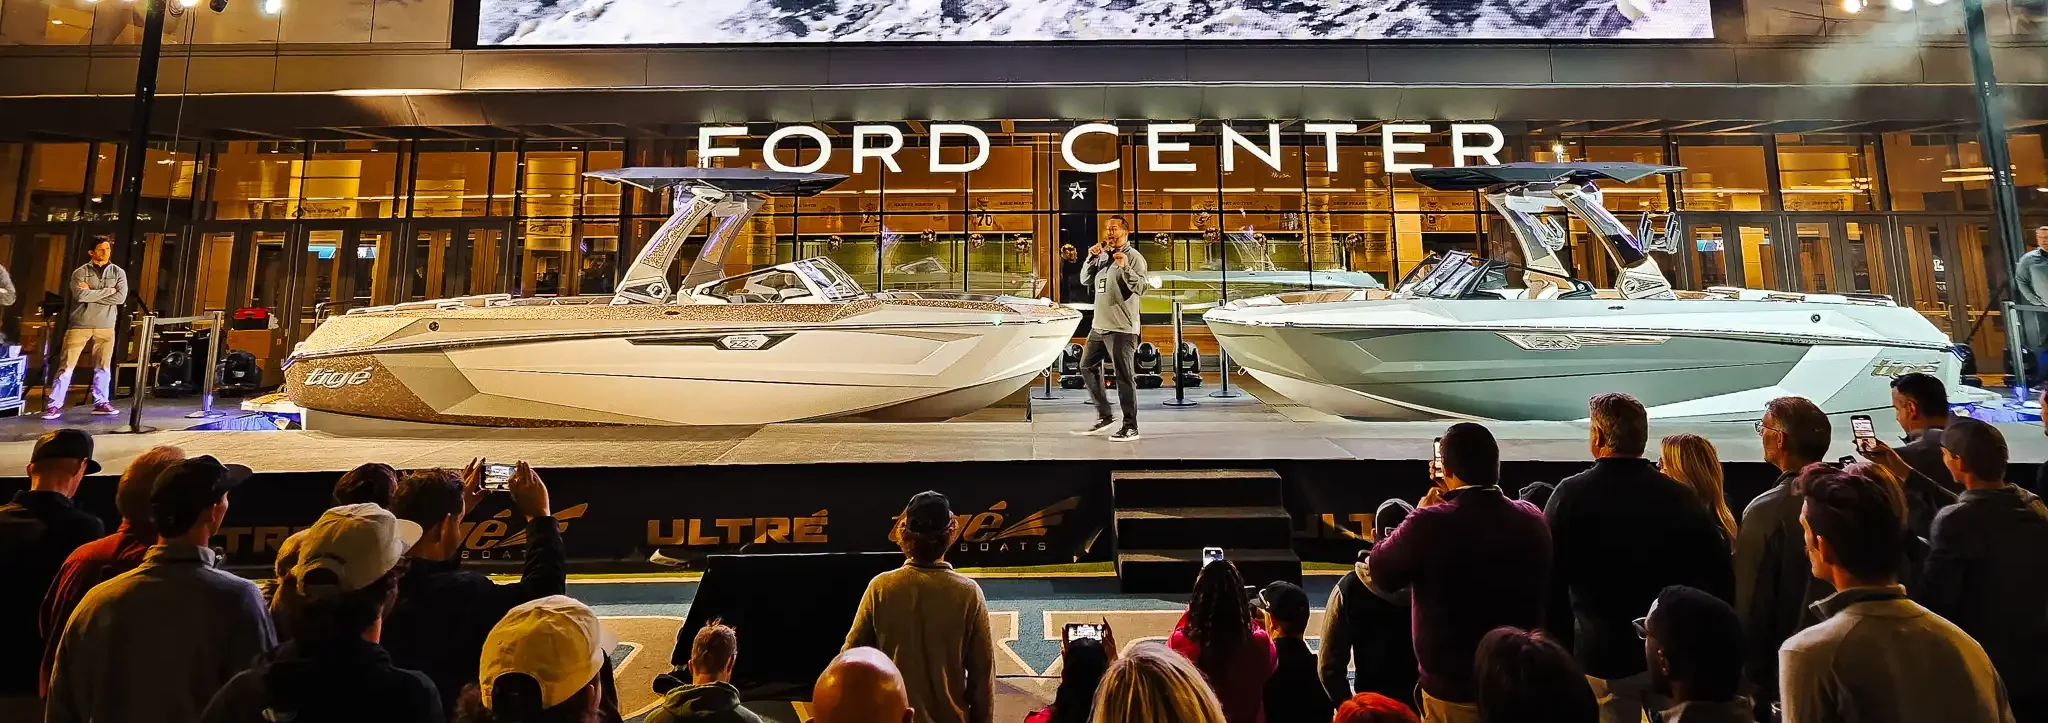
point(1102, 344)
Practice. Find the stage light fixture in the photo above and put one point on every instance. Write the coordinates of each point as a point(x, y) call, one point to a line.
point(273, 7)
point(218, 6)
point(188, 3)
point(1852, 6)
point(1902, 5)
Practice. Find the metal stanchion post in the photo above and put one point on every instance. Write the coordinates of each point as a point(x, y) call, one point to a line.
point(1180, 397)
point(213, 342)
point(134, 425)
point(1223, 372)
point(1045, 392)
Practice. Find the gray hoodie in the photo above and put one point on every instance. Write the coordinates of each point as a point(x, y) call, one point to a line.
point(1117, 289)
point(98, 306)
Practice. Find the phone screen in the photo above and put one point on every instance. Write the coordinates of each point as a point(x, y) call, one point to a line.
point(1436, 459)
point(1076, 631)
point(1211, 554)
point(498, 477)
point(1860, 426)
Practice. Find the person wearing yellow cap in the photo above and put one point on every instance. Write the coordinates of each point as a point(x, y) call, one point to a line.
point(343, 577)
point(542, 663)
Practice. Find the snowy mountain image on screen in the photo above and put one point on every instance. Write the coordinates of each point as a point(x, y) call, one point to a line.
point(648, 22)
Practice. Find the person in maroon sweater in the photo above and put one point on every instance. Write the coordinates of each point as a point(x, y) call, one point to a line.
point(1473, 560)
point(100, 560)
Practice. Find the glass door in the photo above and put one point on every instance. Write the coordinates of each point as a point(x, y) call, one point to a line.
point(1815, 255)
point(451, 260)
point(1925, 246)
point(1731, 250)
point(1958, 274)
point(1869, 257)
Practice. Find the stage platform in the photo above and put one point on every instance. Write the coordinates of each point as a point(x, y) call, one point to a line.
point(1028, 492)
point(1257, 426)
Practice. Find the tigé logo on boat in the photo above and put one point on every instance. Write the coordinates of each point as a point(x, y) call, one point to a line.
point(336, 378)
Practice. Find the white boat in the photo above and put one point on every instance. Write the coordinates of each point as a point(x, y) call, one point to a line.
point(1488, 339)
point(799, 341)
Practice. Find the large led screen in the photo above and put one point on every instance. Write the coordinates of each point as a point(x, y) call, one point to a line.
point(728, 22)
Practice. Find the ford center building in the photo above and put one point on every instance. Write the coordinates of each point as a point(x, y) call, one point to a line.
point(310, 157)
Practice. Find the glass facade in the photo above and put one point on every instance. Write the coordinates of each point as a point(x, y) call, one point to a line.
point(306, 228)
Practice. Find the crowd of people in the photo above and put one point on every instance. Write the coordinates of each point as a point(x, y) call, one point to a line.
point(1905, 587)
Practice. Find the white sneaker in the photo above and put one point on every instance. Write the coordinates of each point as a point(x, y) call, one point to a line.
point(1101, 426)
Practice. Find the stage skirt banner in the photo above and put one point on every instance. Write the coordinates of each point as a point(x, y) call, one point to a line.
point(620, 518)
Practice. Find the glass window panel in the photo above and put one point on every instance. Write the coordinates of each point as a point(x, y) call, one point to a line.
point(1917, 166)
point(347, 179)
point(244, 21)
point(601, 198)
point(2029, 172)
point(255, 180)
point(1866, 254)
point(1357, 182)
point(1826, 172)
point(1723, 173)
point(1412, 196)
point(452, 179)
point(1007, 259)
point(57, 180)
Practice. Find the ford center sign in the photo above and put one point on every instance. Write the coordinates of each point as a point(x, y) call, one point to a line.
point(1471, 144)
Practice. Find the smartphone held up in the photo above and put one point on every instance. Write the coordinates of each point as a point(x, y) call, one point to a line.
point(498, 477)
point(1865, 435)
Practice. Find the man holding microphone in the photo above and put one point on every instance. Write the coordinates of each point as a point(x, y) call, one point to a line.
point(1116, 273)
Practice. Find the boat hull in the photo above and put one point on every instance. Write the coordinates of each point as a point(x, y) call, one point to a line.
point(885, 361)
point(1542, 360)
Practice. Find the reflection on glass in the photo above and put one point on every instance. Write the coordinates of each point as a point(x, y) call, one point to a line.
point(321, 275)
point(371, 283)
point(1983, 266)
point(1926, 257)
point(1709, 256)
point(1866, 257)
point(1816, 260)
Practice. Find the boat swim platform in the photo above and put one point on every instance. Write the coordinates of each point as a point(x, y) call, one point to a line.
point(1258, 427)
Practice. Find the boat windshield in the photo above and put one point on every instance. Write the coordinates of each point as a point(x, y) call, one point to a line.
point(1459, 274)
point(832, 281)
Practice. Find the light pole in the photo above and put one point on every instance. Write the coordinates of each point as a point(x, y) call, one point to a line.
point(134, 161)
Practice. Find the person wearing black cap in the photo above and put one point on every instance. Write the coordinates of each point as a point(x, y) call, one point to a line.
point(37, 531)
point(1987, 571)
point(154, 643)
point(1361, 625)
point(1293, 693)
point(930, 620)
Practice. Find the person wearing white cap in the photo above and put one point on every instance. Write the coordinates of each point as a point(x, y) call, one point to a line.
point(541, 664)
point(152, 644)
point(344, 578)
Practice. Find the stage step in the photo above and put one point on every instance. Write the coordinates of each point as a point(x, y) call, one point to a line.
point(1167, 528)
point(1173, 571)
point(1195, 487)
point(1164, 518)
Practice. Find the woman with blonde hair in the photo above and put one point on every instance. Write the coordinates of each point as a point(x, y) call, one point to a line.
point(1691, 459)
point(1153, 683)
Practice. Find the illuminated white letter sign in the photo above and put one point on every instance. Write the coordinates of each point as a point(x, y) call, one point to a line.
point(1232, 140)
point(1067, 148)
point(1388, 148)
point(1460, 151)
point(1329, 132)
point(980, 157)
point(705, 151)
point(887, 154)
point(775, 139)
point(1154, 147)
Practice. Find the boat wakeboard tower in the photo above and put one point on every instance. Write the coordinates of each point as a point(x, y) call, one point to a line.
point(799, 341)
point(1457, 339)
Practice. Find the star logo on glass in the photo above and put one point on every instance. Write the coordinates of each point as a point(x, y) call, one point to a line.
point(1078, 190)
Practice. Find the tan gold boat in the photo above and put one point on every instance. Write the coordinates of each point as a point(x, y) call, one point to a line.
point(799, 341)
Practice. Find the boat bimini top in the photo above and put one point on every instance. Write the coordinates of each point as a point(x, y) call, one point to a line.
point(1522, 192)
point(731, 195)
